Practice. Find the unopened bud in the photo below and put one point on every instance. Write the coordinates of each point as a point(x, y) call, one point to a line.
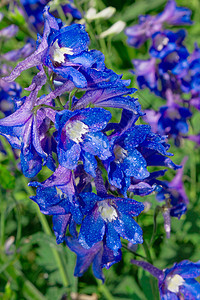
point(114, 29)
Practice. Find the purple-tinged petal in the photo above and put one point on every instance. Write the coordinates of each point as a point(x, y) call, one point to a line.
point(97, 265)
point(150, 268)
point(84, 256)
point(110, 257)
point(175, 15)
point(187, 269)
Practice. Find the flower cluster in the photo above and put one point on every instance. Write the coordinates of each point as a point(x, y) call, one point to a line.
point(171, 72)
point(69, 131)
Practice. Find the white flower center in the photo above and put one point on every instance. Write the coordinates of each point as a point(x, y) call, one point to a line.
point(75, 130)
point(173, 283)
point(57, 53)
point(108, 212)
point(120, 153)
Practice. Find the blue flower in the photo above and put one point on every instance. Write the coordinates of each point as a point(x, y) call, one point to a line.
point(112, 217)
point(171, 119)
point(178, 282)
point(99, 255)
point(26, 129)
point(146, 73)
point(64, 55)
point(107, 91)
point(80, 137)
point(166, 42)
point(175, 192)
point(134, 150)
point(57, 196)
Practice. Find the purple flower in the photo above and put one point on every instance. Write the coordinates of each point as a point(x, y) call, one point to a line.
point(175, 192)
point(171, 119)
point(145, 70)
point(148, 25)
point(177, 282)
point(80, 137)
point(175, 15)
point(8, 32)
point(166, 42)
point(9, 94)
point(34, 11)
point(99, 255)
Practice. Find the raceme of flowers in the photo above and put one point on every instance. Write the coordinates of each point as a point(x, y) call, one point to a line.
point(71, 136)
point(171, 72)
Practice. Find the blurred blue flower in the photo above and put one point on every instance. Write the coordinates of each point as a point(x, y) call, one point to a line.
point(148, 25)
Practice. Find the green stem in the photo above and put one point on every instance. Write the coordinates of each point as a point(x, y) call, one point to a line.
point(156, 212)
point(103, 289)
point(153, 281)
point(2, 221)
point(136, 254)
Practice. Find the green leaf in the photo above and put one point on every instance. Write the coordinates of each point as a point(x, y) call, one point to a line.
point(7, 180)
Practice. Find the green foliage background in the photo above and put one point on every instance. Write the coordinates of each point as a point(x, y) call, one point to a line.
point(32, 265)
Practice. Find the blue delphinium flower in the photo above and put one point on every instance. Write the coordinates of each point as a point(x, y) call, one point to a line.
point(80, 136)
point(134, 150)
point(57, 196)
point(34, 11)
point(99, 255)
point(177, 282)
point(10, 92)
point(112, 217)
point(170, 120)
point(174, 192)
point(64, 55)
point(108, 217)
